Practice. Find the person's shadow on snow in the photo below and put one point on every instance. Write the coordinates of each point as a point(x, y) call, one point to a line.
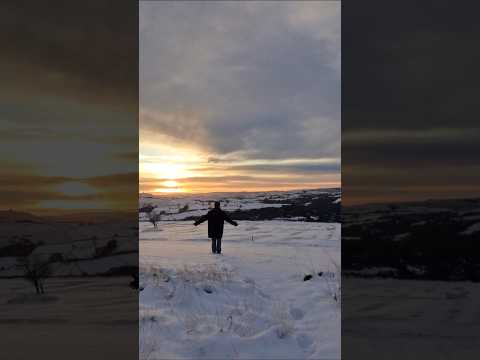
point(216, 218)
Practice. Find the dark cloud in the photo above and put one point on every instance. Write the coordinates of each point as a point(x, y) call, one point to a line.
point(293, 169)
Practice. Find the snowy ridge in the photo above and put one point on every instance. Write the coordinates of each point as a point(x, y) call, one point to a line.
point(302, 205)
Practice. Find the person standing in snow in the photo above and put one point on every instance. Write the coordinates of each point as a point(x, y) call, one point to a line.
point(216, 218)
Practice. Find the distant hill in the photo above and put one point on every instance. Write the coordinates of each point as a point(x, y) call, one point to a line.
point(94, 216)
point(12, 216)
point(317, 205)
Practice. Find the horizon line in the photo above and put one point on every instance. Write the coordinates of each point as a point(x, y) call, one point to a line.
point(236, 192)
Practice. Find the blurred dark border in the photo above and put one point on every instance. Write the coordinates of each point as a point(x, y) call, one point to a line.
point(69, 184)
point(410, 180)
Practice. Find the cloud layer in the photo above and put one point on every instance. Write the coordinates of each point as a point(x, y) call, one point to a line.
point(241, 80)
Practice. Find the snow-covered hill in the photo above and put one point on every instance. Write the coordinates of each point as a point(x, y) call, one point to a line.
point(321, 205)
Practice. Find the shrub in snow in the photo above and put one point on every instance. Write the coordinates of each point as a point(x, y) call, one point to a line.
point(183, 209)
point(332, 279)
point(154, 217)
point(209, 272)
point(147, 315)
point(283, 321)
point(36, 269)
point(223, 321)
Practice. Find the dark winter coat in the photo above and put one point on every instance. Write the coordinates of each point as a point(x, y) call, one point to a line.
point(216, 218)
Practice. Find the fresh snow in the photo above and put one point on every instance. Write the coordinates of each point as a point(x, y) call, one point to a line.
point(251, 302)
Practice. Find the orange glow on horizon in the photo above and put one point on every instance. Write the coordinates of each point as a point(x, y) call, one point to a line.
point(167, 168)
point(193, 188)
point(169, 190)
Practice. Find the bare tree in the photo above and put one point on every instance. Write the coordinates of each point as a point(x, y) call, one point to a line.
point(35, 270)
point(153, 217)
point(183, 209)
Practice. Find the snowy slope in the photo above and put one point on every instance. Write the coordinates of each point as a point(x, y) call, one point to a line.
point(251, 302)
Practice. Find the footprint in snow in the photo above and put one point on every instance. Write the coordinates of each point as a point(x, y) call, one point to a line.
point(208, 289)
point(297, 313)
point(304, 341)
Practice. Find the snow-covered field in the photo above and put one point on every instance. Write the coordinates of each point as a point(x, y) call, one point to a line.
point(251, 302)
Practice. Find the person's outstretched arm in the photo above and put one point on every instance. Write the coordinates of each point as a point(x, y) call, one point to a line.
point(230, 221)
point(201, 220)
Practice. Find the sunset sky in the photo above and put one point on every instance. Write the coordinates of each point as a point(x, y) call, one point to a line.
point(69, 138)
point(239, 96)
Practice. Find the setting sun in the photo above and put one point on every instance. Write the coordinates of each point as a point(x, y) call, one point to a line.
point(170, 184)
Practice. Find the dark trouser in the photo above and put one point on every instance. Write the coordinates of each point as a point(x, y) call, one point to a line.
point(216, 245)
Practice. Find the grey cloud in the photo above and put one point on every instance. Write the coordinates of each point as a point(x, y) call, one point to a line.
point(257, 71)
point(300, 168)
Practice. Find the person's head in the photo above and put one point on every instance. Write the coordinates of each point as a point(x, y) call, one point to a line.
point(217, 204)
